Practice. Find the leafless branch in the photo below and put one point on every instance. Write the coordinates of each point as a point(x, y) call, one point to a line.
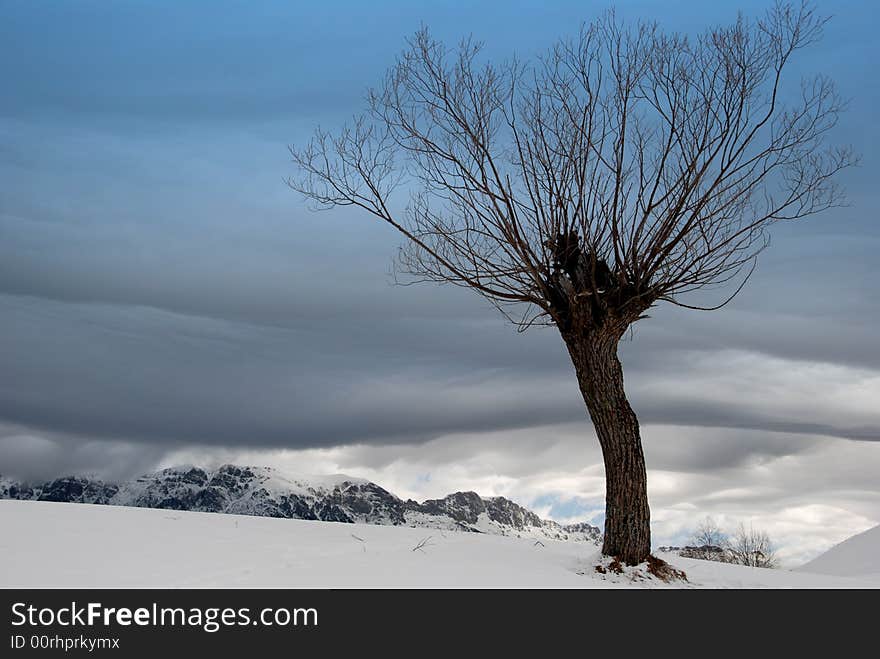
point(424, 542)
point(624, 167)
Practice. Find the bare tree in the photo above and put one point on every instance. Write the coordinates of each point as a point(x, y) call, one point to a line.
point(709, 542)
point(708, 533)
point(747, 546)
point(624, 167)
point(752, 547)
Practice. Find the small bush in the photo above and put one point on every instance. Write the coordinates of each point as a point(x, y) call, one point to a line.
point(752, 547)
point(747, 546)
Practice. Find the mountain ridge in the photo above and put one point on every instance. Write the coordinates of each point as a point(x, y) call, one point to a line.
point(266, 492)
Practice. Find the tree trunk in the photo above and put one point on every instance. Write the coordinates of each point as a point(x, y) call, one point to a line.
point(600, 376)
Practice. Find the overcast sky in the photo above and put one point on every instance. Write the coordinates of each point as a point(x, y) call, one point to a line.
point(164, 298)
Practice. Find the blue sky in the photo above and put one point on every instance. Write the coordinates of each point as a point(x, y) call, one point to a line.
point(165, 296)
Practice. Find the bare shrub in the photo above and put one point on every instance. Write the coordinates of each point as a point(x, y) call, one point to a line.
point(709, 543)
point(752, 547)
point(747, 546)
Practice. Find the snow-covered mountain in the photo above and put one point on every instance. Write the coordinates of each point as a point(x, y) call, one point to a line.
point(265, 492)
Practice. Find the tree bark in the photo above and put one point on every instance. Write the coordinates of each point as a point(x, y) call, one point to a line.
point(627, 516)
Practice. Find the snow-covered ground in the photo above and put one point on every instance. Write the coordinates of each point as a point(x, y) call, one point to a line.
point(60, 544)
point(857, 556)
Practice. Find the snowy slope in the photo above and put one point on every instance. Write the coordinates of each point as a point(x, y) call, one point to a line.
point(61, 544)
point(858, 556)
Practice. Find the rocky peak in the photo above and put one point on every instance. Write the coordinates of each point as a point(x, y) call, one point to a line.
point(76, 489)
point(461, 506)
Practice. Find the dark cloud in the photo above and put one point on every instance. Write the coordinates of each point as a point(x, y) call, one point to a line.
point(144, 374)
point(151, 375)
point(40, 456)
